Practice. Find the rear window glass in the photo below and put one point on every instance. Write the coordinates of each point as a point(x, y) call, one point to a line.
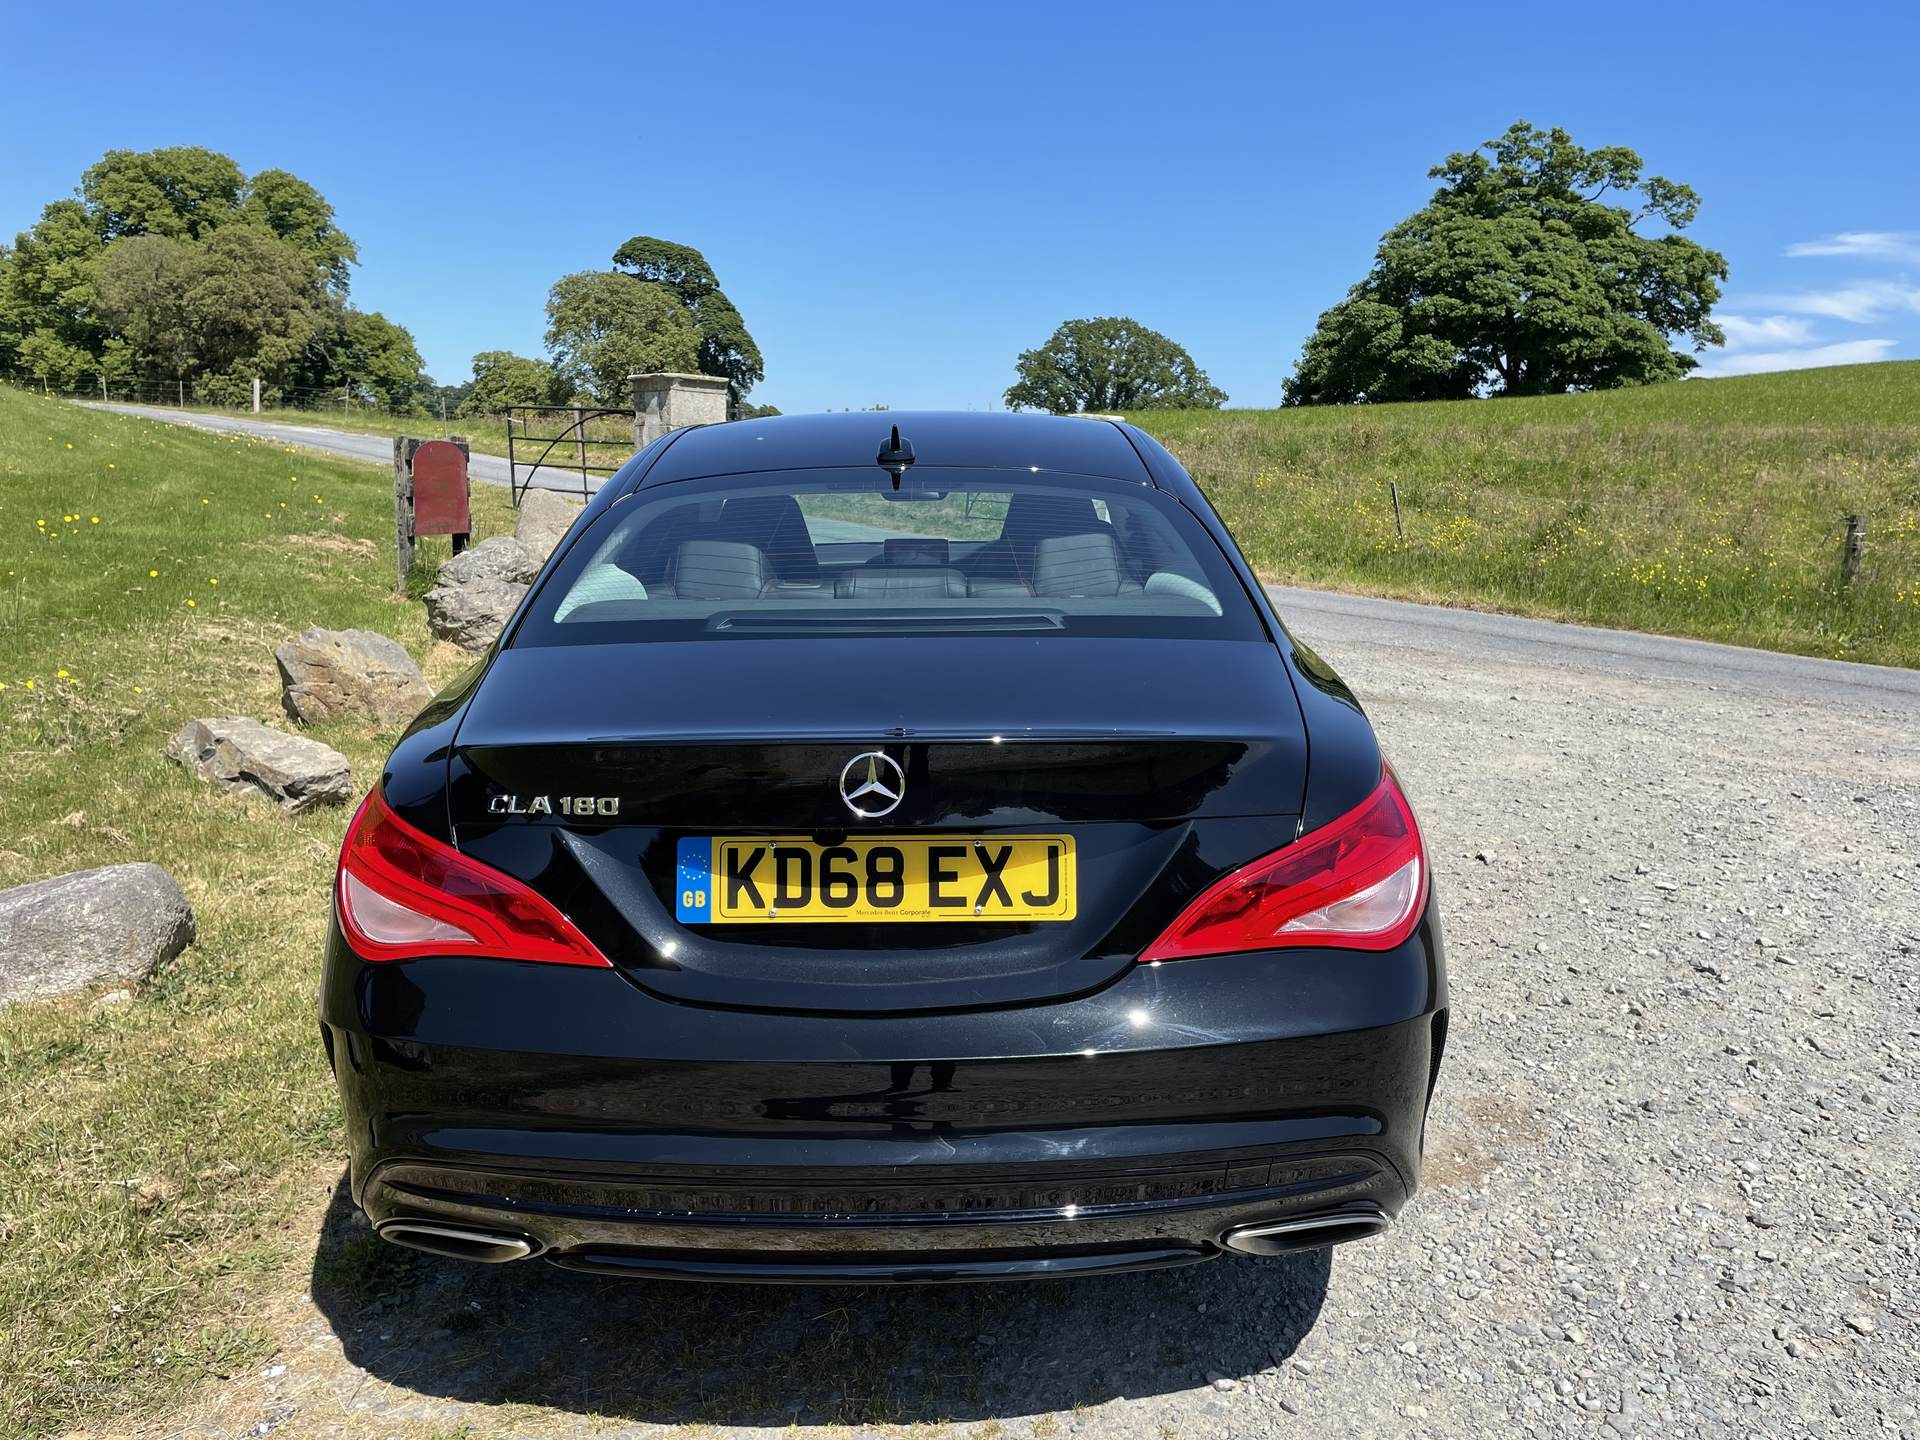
point(843, 552)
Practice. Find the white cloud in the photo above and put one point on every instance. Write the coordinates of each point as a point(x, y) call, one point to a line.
point(1743, 330)
point(1846, 352)
point(1867, 244)
point(1860, 304)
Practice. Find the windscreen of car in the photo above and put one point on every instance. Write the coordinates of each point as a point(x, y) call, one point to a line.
point(843, 552)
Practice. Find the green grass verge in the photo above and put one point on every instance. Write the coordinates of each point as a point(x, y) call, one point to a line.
point(154, 1149)
point(1710, 508)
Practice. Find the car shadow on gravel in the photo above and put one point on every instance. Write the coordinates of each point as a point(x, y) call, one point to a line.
point(675, 1353)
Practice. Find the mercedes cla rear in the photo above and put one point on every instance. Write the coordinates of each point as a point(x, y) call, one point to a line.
point(887, 851)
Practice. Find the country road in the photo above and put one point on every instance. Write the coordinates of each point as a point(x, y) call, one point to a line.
point(489, 469)
point(1671, 1170)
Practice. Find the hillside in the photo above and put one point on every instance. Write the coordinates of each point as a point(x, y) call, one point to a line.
point(1709, 508)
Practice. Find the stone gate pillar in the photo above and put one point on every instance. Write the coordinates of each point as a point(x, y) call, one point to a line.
point(664, 402)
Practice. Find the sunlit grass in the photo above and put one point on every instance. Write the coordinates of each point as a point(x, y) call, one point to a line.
point(146, 573)
point(1713, 509)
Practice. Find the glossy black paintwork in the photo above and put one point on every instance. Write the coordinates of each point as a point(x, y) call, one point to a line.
point(974, 441)
point(577, 1108)
point(649, 1118)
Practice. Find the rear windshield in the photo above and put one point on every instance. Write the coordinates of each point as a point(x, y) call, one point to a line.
point(816, 552)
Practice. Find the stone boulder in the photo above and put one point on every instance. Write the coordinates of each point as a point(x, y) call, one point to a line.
point(545, 518)
point(478, 589)
point(244, 756)
point(329, 674)
point(498, 558)
point(118, 923)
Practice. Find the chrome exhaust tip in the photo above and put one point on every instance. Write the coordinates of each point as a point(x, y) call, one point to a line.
point(1304, 1232)
point(455, 1242)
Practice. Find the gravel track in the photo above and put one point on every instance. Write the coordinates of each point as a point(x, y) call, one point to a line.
point(1671, 1182)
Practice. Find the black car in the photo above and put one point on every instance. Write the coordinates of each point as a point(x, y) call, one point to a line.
point(887, 848)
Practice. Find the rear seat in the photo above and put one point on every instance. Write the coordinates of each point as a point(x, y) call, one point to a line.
point(1063, 566)
point(899, 582)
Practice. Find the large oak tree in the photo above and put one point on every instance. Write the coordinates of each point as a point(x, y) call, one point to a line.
point(1523, 277)
point(1111, 363)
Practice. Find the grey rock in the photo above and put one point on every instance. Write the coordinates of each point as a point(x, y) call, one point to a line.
point(477, 591)
point(120, 922)
point(330, 674)
point(545, 517)
point(498, 558)
point(472, 615)
point(244, 756)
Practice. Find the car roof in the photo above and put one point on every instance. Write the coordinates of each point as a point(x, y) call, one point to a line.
point(970, 439)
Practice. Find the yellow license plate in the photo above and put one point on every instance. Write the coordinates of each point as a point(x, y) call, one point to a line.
point(788, 879)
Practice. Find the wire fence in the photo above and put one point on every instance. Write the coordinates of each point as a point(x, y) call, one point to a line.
point(192, 395)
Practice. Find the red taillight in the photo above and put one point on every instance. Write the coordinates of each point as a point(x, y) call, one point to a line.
point(1358, 883)
point(401, 893)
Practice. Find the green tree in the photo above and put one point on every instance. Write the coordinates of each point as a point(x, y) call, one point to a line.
point(1110, 364)
point(603, 327)
point(183, 192)
point(284, 205)
point(502, 378)
point(47, 326)
point(1518, 278)
point(726, 348)
point(252, 305)
point(373, 357)
point(140, 287)
point(193, 308)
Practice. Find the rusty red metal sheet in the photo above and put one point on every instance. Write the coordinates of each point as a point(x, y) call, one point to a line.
point(440, 490)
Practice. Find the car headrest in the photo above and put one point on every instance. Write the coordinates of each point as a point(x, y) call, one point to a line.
point(1067, 565)
point(895, 582)
point(719, 570)
point(775, 524)
point(1032, 518)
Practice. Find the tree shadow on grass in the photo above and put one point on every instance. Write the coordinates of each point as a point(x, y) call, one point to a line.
point(767, 1355)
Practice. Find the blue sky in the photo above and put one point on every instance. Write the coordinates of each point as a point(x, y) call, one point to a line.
point(901, 198)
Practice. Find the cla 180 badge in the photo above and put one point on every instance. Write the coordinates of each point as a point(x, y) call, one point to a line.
point(565, 805)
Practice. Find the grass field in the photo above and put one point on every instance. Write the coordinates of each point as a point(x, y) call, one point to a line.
point(1712, 508)
point(153, 1150)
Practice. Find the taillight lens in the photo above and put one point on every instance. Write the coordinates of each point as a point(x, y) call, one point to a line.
point(401, 893)
point(1358, 883)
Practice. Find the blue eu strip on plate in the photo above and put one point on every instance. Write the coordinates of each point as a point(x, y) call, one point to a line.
point(694, 879)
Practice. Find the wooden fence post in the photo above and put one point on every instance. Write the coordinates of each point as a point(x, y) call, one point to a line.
point(403, 449)
point(1856, 546)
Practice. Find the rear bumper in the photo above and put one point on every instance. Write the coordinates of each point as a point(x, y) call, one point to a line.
point(572, 1113)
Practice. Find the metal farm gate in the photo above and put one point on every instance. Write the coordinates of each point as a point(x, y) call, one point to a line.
point(592, 444)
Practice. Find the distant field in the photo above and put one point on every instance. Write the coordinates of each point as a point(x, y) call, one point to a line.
point(1709, 508)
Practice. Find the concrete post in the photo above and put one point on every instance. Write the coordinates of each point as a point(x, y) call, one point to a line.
point(664, 402)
